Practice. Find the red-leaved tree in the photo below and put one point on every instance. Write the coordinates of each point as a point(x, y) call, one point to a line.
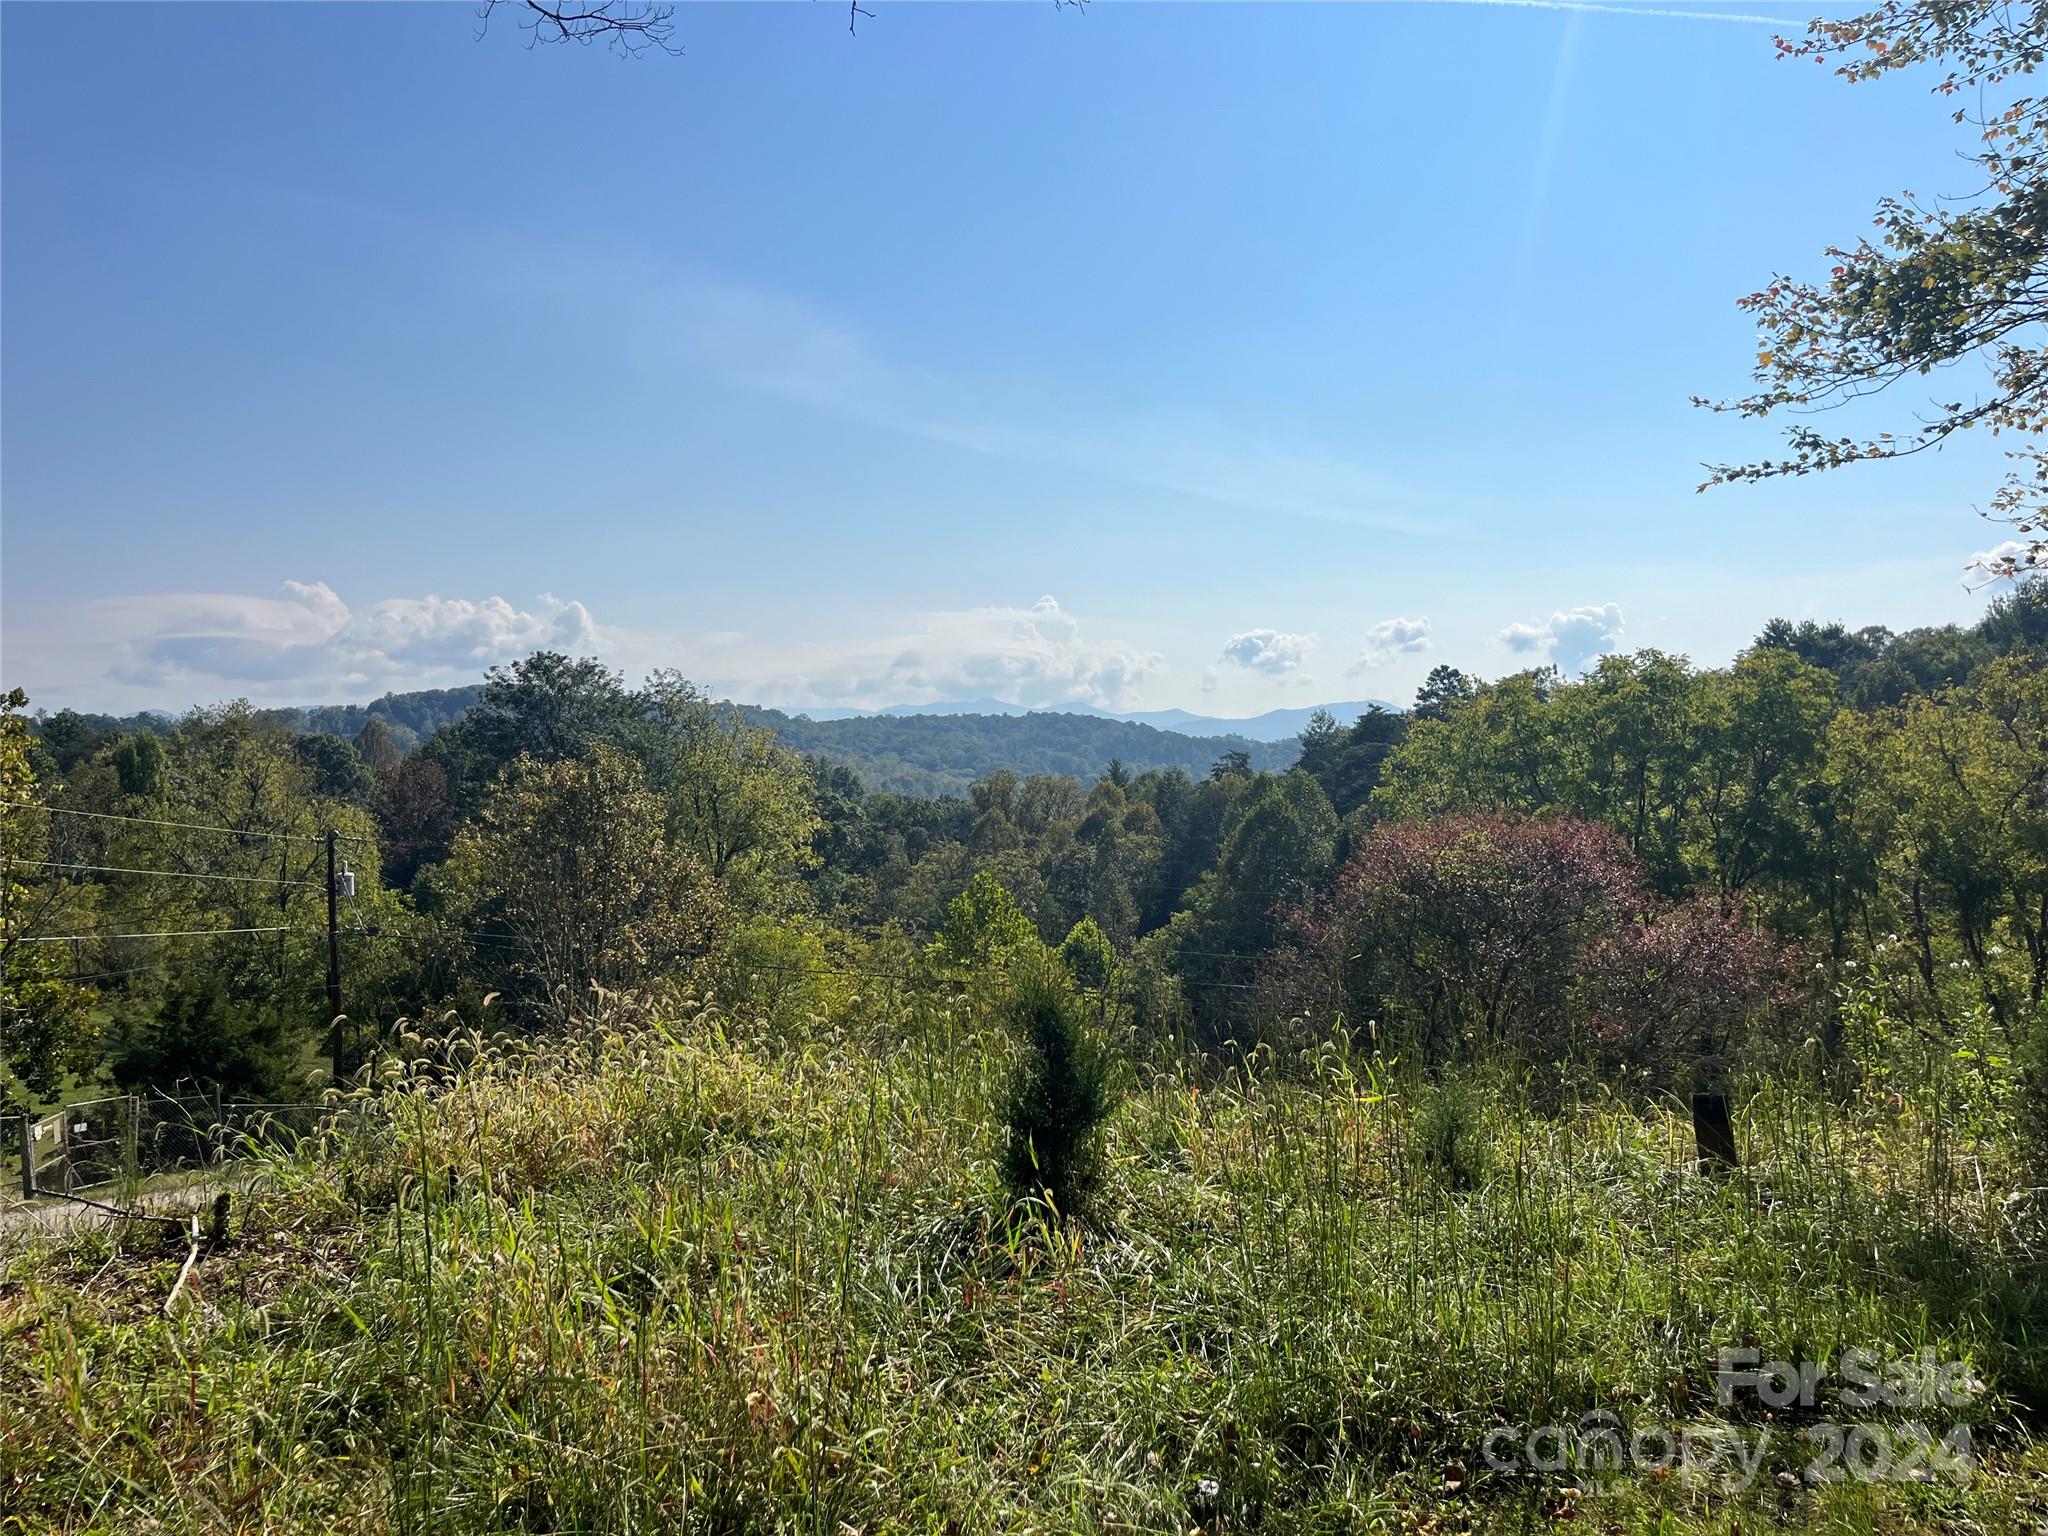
point(1483, 934)
point(1675, 997)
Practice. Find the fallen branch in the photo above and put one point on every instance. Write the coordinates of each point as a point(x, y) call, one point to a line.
point(185, 1273)
point(111, 1210)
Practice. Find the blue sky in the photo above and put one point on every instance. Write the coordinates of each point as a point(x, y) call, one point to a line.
point(1219, 356)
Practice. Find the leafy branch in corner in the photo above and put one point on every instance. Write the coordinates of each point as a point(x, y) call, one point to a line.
point(1964, 279)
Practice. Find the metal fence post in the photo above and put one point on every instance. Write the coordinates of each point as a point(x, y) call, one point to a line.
point(28, 1157)
point(65, 1122)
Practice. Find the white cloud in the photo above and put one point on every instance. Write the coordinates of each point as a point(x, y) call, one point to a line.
point(1570, 638)
point(1271, 651)
point(307, 645)
point(1032, 656)
point(454, 632)
point(2014, 561)
point(1388, 639)
point(308, 641)
point(322, 605)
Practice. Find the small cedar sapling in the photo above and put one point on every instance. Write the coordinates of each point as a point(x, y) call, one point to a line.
point(1061, 1091)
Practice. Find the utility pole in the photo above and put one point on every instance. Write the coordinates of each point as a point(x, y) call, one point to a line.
point(333, 970)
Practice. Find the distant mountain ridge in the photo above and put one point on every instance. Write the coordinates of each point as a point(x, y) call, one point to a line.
point(410, 717)
point(1273, 725)
point(935, 749)
point(941, 754)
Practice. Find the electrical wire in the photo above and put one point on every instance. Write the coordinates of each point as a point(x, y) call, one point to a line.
point(133, 970)
point(175, 933)
point(170, 874)
point(188, 826)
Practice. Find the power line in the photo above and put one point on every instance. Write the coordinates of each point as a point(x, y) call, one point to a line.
point(133, 970)
point(169, 874)
point(188, 826)
point(176, 933)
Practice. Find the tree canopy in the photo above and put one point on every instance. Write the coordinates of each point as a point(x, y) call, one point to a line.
point(1944, 282)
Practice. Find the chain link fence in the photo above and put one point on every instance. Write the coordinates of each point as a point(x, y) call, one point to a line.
point(103, 1144)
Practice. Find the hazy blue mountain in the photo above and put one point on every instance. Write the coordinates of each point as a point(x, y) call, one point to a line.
point(898, 711)
point(1273, 725)
point(941, 754)
point(921, 749)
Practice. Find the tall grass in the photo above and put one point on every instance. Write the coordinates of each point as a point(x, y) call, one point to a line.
point(658, 1278)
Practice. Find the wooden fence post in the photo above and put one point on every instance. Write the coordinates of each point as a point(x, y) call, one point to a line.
point(1713, 1132)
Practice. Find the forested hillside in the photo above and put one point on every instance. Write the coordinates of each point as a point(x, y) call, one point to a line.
point(937, 754)
point(648, 1018)
point(1829, 789)
point(944, 754)
point(407, 718)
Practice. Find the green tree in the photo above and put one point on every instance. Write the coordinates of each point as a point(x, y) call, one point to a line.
point(1943, 282)
point(46, 1027)
point(568, 880)
point(376, 746)
point(1061, 1092)
point(1443, 691)
point(1495, 750)
point(1347, 761)
point(1119, 839)
point(69, 738)
point(994, 798)
point(2017, 622)
point(138, 764)
point(1628, 744)
point(206, 1031)
point(1970, 786)
point(984, 928)
point(775, 973)
point(1834, 647)
point(1192, 818)
point(1281, 845)
point(1283, 842)
point(734, 796)
point(1763, 727)
point(233, 845)
point(1091, 960)
point(338, 773)
point(1234, 764)
point(1848, 829)
point(548, 707)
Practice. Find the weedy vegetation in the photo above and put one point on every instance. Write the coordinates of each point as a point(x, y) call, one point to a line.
point(666, 1272)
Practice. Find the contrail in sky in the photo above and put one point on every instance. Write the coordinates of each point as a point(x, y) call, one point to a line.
point(1794, 20)
point(1743, 18)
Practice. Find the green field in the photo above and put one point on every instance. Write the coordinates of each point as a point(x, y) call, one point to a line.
point(659, 1278)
